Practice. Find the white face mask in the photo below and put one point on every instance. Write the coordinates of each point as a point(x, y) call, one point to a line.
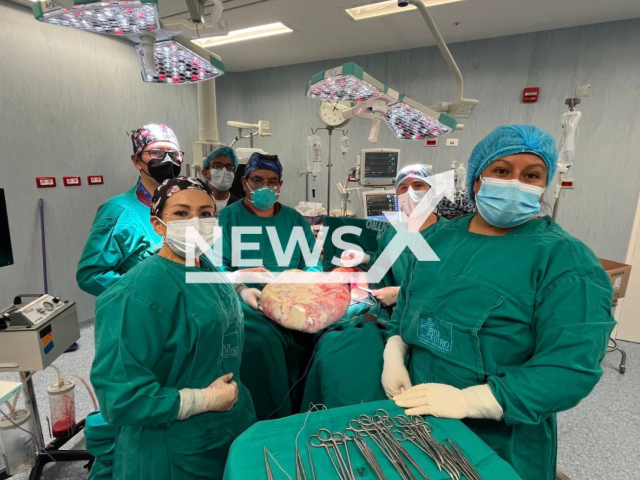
point(178, 238)
point(221, 179)
point(408, 201)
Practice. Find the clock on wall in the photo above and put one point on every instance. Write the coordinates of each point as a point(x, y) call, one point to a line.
point(331, 112)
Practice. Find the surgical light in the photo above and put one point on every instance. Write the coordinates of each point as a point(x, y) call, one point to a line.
point(348, 82)
point(251, 33)
point(112, 18)
point(178, 60)
point(388, 8)
point(410, 120)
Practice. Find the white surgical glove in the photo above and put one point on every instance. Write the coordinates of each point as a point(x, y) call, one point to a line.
point(250, 297)
point(387, 296)
point(395, 376)
point(351, 258)
point(220, 396)
point(445, 401)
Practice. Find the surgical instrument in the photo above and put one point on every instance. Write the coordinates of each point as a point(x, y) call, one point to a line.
point(331, 441)
point(266, 464)
point(313, 469)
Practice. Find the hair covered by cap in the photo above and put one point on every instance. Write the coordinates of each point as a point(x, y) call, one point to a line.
point(222, 152)
point(510, 140)
point(260, 161)
point(171, 186)
point(419, 171)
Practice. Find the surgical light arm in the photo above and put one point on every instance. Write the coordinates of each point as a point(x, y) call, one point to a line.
point(461, 107)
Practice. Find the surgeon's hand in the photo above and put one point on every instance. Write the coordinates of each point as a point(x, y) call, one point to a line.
point(387, 296)
point(221, 395)
point(445, 401)
point(251, 297)
point(395, 376)
point(351, 258)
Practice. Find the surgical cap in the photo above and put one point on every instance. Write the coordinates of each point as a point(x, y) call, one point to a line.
point(421, 172)
point(259, 161)
point(152, 133)
point(222, 152)
point(171, 186)
point(510, 140)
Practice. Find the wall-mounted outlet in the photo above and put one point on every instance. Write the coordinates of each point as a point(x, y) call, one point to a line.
point(95, 179)
point(583, 90)
point(71, 181)
point(452, 142)
point(46, 182)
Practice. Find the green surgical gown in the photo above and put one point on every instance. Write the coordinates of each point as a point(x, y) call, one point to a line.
point(120, 237)
point(528, 313)
point(274, 358)
point(156, 334)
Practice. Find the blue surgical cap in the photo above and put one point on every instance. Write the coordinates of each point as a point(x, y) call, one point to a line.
point(510, 140)
point(222, 152)
point(260, 161)
point(421, 172)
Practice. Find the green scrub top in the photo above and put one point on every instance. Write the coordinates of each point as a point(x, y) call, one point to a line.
point(398, 272)
point(284, 222)
point(155, 335)
point(121, 236)
point(274, 358)
point(528, 313)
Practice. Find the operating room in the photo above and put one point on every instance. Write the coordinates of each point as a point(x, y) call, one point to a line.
point(499, 341)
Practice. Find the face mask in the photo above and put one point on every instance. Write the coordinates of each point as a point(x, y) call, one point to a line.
point(263, 198)
point(177, 239)
point(162, 169)
point(221, 179)
point(507, 203)
point(408, 201)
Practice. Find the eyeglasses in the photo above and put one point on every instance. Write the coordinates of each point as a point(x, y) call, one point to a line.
point(220, 166)
point(186, 216)
point(159, 154)
point(258, 182)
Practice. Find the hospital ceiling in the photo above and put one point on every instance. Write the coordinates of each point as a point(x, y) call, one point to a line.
point(322, 29)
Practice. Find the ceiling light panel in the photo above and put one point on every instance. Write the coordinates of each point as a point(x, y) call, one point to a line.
point(245, 34)
point(388, 8)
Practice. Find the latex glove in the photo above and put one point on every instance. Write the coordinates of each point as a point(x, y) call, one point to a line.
point(251, 297)
point(445, 401)
point(220, 396)
point(387, 296)
point(395, 376)
point(351, 258)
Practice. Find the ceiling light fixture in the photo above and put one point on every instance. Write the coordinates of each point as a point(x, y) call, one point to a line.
point(245, 34)
point(388, 8)
point(177, 60)
point(112, 18)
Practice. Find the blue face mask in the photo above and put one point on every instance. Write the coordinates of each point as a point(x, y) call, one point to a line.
point(507, 203)
point(263, 198)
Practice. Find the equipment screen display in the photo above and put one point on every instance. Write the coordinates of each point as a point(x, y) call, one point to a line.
point(381, 166)
point(378, 203)
point(6, 253)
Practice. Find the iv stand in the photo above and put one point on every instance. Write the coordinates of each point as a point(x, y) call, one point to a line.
point(329, 130)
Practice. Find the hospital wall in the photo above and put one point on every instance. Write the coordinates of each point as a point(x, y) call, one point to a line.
point(66, 100)
point(601, 209)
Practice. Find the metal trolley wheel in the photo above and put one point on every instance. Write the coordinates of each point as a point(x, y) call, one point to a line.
point(612, 347)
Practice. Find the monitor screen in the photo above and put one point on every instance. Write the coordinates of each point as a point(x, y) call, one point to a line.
point(6, 253)
point(379, 167)
point(376, 203)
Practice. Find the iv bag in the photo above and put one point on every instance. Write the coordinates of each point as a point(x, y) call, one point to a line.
point(314, 153)
point(344, 144)
point(567, 144)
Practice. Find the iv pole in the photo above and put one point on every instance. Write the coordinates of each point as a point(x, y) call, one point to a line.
point(329, 130)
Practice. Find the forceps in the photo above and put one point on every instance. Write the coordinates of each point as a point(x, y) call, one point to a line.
point(330, 441)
